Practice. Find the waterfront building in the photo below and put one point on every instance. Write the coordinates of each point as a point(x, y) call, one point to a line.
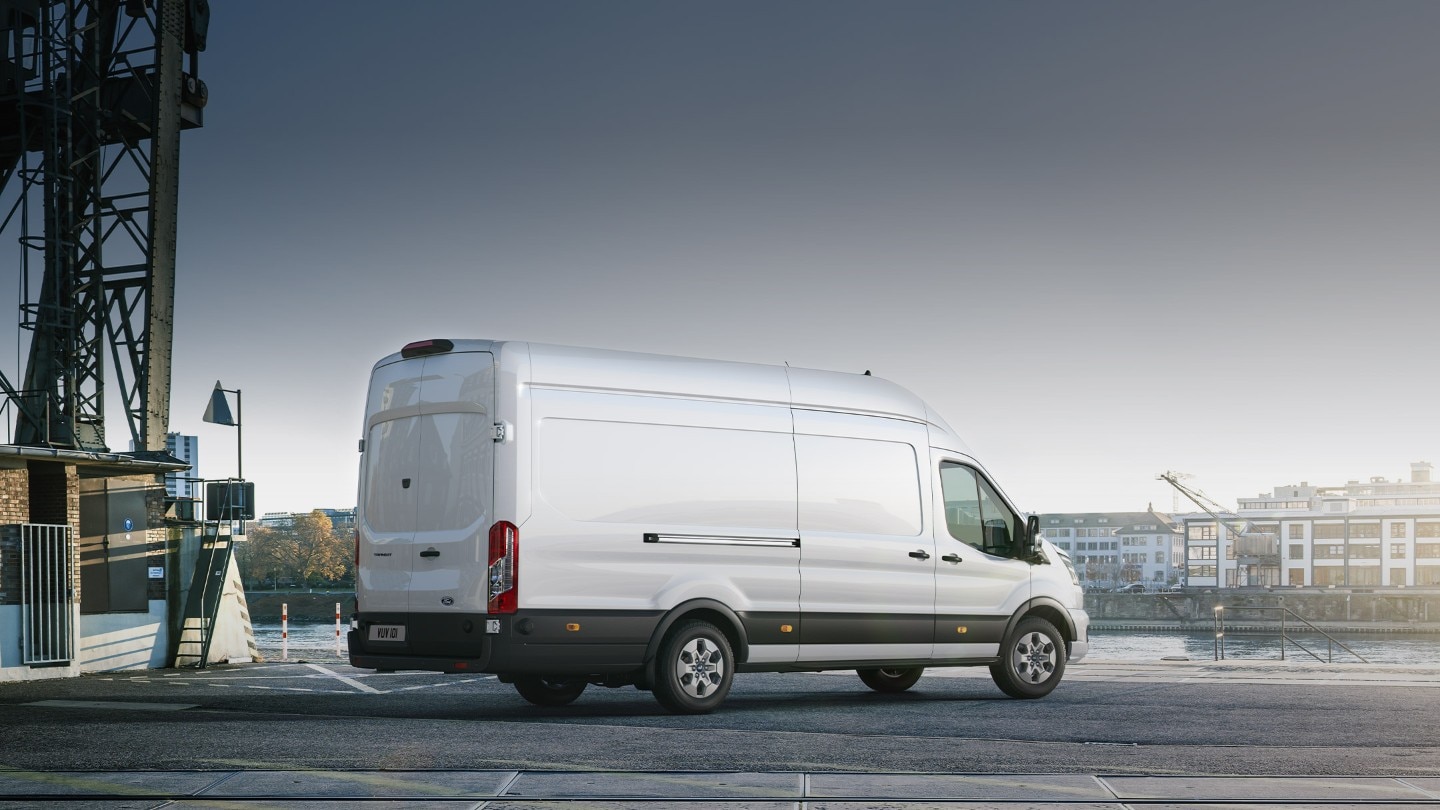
point(1118, 548)
point(1373, 534)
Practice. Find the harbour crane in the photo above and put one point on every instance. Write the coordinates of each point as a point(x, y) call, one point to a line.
point(93, 97)
point(1258, 552)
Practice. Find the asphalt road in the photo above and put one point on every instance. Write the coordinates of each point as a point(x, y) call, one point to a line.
point(329, 716)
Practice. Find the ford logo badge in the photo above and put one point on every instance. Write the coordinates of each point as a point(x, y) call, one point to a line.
point(448, 601)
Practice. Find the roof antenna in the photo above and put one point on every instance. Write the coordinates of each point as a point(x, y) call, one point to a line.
point(867, 372)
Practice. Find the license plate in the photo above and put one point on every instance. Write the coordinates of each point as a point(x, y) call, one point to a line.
point(387, 632)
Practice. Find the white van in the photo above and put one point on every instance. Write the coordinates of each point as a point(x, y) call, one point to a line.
point(563, 517)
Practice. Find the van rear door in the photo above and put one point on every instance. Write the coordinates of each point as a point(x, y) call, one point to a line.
point(427, 484)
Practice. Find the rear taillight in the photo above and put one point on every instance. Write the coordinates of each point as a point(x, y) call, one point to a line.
point(504, 572)
point(357, 552)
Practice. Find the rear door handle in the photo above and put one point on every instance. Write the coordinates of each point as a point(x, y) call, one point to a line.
point(920, 554)
point(952, 558)
point(429, 552)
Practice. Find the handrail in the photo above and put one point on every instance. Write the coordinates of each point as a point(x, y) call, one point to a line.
point(1331, 641)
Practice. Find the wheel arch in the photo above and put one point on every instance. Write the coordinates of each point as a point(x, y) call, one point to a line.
point(1048, 609)
point(717, 613)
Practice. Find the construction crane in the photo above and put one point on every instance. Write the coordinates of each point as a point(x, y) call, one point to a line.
point(93, 97)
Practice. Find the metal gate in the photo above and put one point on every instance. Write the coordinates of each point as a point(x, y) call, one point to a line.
point(47, 594)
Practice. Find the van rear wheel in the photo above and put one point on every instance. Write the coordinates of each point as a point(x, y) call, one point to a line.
point(1032, 660)
point(890, 679)
point(695, 668)
point(549, 690)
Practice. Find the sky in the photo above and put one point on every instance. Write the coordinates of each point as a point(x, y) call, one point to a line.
point(1103, 239)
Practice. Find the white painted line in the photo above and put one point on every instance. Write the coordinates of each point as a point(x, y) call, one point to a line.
point(345, 680)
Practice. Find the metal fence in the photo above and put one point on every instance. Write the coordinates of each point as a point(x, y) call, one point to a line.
point(47, 594)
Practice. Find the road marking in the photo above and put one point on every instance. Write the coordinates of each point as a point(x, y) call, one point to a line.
point(345, 680)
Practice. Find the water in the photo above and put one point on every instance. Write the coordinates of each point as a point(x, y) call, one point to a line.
point(1377, 649)
point(313, 640)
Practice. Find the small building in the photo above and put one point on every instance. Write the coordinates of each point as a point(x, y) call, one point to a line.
point(88, 572)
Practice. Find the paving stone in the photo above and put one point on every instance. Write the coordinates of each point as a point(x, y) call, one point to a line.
point(958, 786)
point(1241, 788)
point(80, 783)
point(679, 785)
point(428, 785)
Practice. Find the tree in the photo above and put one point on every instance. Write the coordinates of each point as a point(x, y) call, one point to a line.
point(306, 550)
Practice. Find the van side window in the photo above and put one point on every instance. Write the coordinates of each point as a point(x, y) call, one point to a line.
point(974, 513)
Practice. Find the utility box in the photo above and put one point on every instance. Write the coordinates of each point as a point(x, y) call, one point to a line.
point(230, 500)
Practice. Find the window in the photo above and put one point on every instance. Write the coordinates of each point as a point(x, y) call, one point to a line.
point(1364, 575)
point(1202, 552)
point(1427, 530)
point(974, 513)
point(1428, 550)
point(1206, 531)
point(1365, 551)
point(1297, 531)
point(1397, 529)
point(1297, 551)
point(1159, 558)
point(1427, 575)
point(1397, 576)
point(1297, 576)
point(1330, 575)
point(1330, 551)
point(1209, 570)
point(1329, 531)
point(1364, 531)
point(1397, 551)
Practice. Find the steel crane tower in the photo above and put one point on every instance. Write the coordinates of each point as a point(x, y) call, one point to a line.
point(93, 97)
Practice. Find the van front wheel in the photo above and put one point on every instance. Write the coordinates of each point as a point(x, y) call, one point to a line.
point(890, 680)
point(549, 690)
point(695, 669)
point(1032, 660)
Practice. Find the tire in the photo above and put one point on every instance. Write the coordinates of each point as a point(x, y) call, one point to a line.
point(695, 668)
point(890, 680)
point(549, 690)
point(1032, 660)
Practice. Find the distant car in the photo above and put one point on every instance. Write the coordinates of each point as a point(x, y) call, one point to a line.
point(1134, 587)
point(1177, 588)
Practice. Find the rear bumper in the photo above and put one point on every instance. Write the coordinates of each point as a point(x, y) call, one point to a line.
point(535, 642)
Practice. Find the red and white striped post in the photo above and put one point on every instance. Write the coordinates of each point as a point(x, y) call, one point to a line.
point(337, 631)
point(284, 631)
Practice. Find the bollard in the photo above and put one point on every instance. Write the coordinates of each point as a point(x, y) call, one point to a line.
point(338, 654)
point(284, 631)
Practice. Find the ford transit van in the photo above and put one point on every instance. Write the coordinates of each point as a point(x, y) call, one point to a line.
point(565, 517)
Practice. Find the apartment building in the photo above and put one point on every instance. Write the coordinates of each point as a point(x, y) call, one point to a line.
point(1118, 548)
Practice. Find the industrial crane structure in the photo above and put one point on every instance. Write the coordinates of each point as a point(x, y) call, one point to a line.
point(94, 95)
point(1257, 552)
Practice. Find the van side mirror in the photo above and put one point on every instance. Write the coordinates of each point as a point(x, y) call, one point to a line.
point(1030, 543)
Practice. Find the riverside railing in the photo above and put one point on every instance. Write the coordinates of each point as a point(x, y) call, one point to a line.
point(1284, 636)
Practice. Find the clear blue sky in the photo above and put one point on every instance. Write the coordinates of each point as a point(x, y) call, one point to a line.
point(1104, 239)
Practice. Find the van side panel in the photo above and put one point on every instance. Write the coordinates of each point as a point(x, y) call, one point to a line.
point(642, 503)
point(862, 509)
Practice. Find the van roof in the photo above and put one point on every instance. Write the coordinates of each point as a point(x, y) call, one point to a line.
point(577, 367)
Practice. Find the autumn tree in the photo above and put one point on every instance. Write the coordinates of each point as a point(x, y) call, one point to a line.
point(306, 550)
